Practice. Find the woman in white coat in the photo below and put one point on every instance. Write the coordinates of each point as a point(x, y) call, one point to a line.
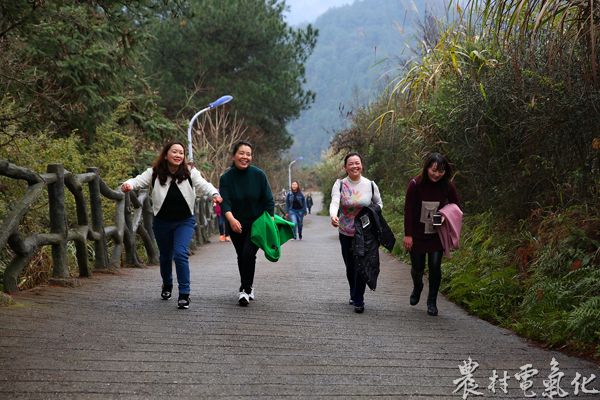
point(174, 187)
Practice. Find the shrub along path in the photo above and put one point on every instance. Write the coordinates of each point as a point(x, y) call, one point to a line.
point(113, 338)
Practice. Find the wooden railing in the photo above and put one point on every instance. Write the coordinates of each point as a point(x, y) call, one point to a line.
point(133, 218)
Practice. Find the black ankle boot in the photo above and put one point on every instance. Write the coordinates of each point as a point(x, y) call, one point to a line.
point(415, 296)
point(432, 308)
point(417, 278)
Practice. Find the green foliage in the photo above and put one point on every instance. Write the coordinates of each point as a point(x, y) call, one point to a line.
point(327, 172)
point(563, 283)
point(238, 47)
point(551, 297)
point(70, 65)
point(480, 275)
point(393, 211)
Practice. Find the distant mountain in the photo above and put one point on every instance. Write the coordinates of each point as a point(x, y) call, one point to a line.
point(303, 11)
point(359, 49)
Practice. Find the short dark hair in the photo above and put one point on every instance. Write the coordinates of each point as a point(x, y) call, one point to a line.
point(352, 154)
point(239, 144)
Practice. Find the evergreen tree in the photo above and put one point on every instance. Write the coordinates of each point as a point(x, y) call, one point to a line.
point(239, 47)
point(68, 65)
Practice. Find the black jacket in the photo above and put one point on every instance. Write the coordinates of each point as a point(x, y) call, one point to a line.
point(367, 239)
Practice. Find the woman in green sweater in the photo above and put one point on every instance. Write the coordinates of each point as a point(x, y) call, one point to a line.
point(246, 196)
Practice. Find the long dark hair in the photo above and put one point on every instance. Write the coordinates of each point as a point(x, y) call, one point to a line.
point(299, 189)
point(442, 165)
point(160, 166)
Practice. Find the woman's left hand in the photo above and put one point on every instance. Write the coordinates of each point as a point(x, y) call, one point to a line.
point(235, 225)
point(217, 199)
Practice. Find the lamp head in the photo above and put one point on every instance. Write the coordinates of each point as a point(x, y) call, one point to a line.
point(220, 101)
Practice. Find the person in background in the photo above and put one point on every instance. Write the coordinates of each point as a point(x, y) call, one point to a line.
point(428, 192)
point(246, 196)
point(221, 223)
point(295, 205)
point(309, 202)
point(173, 185)
point(348, 196)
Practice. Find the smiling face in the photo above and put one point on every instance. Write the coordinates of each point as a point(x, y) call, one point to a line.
point(175, 156)
point(242, 157)
point(295, 186)
point(435, 173)
point(353, 167)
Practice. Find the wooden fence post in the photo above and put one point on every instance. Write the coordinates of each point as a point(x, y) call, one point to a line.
point(100, 245)
point(58, 221)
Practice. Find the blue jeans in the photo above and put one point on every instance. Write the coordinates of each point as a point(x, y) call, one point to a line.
point(296, 216)
point(173, 239)
point(357, 284)
point(221, 223)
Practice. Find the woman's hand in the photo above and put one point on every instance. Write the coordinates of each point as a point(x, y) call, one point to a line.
point(408, 243)
point(335, 222)
point(126, 187)
point(217, 198)
point(235, 225)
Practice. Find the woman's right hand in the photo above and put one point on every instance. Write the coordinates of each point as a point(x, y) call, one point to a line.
point(235, 225)
point(126, 187)
point(335, 221)
point(408, 243)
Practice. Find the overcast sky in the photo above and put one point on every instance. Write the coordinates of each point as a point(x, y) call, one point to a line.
point(308, 10)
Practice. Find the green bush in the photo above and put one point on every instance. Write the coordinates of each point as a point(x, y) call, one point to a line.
point(480, 275)
point(541, 279)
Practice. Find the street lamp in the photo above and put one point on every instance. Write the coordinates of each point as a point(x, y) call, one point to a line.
point(290, 171)
point(219, 102)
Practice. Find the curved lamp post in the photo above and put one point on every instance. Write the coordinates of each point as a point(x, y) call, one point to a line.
point(219, 102)
point(290, 171)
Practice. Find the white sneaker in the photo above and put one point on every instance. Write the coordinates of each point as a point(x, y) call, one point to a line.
point(243, 299)
point(251, 295)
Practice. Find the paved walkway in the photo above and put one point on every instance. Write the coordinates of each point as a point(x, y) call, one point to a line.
point(113, 338)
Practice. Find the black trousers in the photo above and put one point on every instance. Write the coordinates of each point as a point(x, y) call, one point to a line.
point(355, 281)
point(246, 256)
point(434, 262)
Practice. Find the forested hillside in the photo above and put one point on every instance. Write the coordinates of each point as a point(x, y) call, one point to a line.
point(106, 83)
point(509, 92)
point(140, 69)
point(359, 47)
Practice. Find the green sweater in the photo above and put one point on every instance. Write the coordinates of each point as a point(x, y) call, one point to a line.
point(246, 193)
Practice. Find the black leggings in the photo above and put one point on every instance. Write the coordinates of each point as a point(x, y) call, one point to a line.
point(246, 257)
point(434, 262)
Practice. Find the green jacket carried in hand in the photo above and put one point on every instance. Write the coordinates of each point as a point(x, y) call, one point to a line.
point(269, 233)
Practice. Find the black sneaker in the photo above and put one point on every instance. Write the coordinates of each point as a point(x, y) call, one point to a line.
point(243, 299)
point(184, 301)
point(359, 309)
point(166, 292)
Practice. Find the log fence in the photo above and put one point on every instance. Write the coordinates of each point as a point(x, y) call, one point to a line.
point(132, 220)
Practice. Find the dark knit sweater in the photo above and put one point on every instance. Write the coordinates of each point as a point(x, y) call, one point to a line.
point(246, 193)
point(423, 199)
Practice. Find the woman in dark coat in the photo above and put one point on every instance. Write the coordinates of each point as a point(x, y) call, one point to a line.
point(426, 194)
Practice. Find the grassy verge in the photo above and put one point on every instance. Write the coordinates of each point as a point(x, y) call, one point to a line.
point(541, 279)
